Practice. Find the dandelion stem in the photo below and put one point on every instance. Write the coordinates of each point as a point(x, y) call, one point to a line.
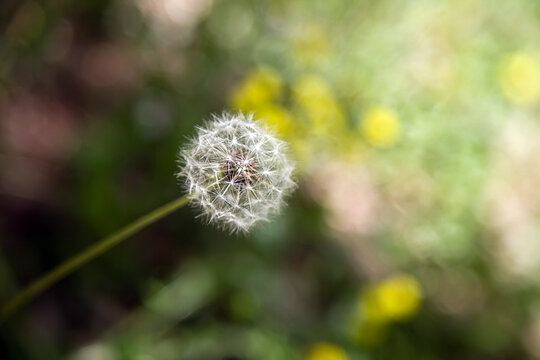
point(37, 287)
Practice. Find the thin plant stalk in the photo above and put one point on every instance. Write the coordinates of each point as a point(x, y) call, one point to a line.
point(37, 287)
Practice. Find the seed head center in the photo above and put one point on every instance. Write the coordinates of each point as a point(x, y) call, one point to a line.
point(241, 170)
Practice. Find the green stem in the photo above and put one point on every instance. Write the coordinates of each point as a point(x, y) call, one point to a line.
point(43, 283)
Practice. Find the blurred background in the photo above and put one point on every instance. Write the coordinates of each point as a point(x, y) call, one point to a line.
point(415, 230)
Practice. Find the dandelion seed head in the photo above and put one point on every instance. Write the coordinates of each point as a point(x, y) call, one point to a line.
point(236, 172)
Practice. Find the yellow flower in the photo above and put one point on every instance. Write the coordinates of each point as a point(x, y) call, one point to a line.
point(308, 88)
point(316, 100)
point(519, 78)
point(276, 117)
point(394, 299)
point(326, 351)
point(261, 87)
point(380, 127)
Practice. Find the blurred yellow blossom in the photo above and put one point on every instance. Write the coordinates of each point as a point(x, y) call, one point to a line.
point(326, 351)
point(519, 77)
point(380, 127)
point(260, 88)
point(277, 117)
point(395, 298)
point(310, 87)
point(317, 101)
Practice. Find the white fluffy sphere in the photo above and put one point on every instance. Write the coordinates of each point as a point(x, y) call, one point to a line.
point(236, 171)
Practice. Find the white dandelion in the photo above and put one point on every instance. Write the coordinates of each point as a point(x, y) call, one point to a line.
point(236, 172)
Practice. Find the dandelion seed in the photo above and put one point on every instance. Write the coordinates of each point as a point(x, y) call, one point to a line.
point(236, 172)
